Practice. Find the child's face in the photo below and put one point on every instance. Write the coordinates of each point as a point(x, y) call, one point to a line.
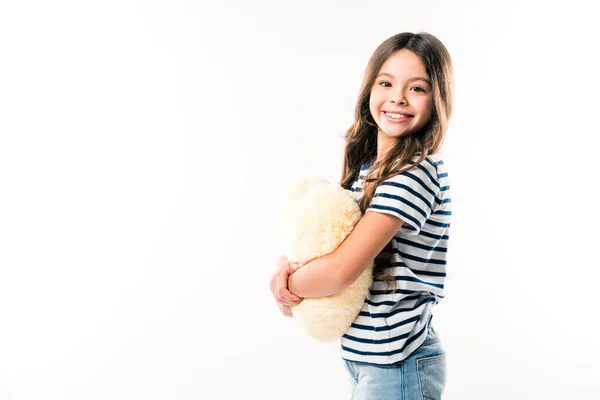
point(399, 89)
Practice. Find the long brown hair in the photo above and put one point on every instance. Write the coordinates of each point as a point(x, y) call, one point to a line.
point(361, 137)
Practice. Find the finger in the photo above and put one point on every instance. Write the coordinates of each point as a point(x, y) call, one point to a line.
point(291, 303)
point(287, 296)
point(283, 291)
point(277, 285)
point(295, 303)
point(286, 310)
point(294, 267)
point(284, 296)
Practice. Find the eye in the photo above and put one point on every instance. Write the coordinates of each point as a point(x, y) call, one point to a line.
point(383, 83)
point(418, 89)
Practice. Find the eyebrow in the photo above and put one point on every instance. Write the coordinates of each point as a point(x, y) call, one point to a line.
point(418, 78)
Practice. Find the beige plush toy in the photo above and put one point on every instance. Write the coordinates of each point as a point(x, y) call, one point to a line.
point(318, 217)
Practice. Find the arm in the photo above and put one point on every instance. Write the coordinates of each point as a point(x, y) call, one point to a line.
point(334, 272)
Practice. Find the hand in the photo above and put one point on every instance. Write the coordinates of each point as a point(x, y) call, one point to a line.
point(285, 310)
point(279, 283)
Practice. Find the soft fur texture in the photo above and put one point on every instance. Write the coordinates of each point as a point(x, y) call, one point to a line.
point(318, 217)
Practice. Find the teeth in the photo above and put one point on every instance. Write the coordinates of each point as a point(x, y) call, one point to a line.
point(396, 115)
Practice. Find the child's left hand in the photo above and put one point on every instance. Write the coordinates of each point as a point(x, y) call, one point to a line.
point(279, 283)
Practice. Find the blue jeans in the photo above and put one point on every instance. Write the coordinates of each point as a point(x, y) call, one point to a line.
point(420, 376)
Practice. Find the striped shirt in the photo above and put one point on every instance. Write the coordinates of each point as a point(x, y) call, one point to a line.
point(392, 325)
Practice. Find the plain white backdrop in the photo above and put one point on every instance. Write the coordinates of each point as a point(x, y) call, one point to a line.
point(145, 150)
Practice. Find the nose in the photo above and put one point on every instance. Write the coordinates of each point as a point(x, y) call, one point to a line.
point(398, 98)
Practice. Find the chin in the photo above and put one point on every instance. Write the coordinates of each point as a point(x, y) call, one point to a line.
point(397, 135)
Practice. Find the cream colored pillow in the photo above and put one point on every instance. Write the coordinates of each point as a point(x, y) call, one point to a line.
point(317, 218)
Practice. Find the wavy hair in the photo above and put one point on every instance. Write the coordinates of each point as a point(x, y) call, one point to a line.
point(361, 137)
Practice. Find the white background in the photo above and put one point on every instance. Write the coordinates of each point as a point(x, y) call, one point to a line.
point(145, 149)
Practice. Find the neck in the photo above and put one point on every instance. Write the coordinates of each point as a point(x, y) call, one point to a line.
point(384, 143)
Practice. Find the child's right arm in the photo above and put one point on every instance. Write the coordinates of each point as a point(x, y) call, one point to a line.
point(332, 273)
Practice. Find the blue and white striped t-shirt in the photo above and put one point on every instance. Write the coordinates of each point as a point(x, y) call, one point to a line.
point(390, 326)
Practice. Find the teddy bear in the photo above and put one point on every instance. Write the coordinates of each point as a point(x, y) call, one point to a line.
point(318, 216)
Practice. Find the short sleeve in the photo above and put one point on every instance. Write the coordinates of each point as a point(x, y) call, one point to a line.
point(410, 196)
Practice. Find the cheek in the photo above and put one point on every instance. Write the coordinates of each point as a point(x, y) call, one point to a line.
point(377, 98)
point(425, 108)
point(373, 104)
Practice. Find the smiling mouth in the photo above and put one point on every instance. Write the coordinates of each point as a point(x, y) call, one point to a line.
point(397, 116)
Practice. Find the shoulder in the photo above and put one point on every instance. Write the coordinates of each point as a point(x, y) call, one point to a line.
point(435, 159)
point(426, 174)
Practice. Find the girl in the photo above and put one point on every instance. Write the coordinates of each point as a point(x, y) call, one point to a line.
point(392, 160)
